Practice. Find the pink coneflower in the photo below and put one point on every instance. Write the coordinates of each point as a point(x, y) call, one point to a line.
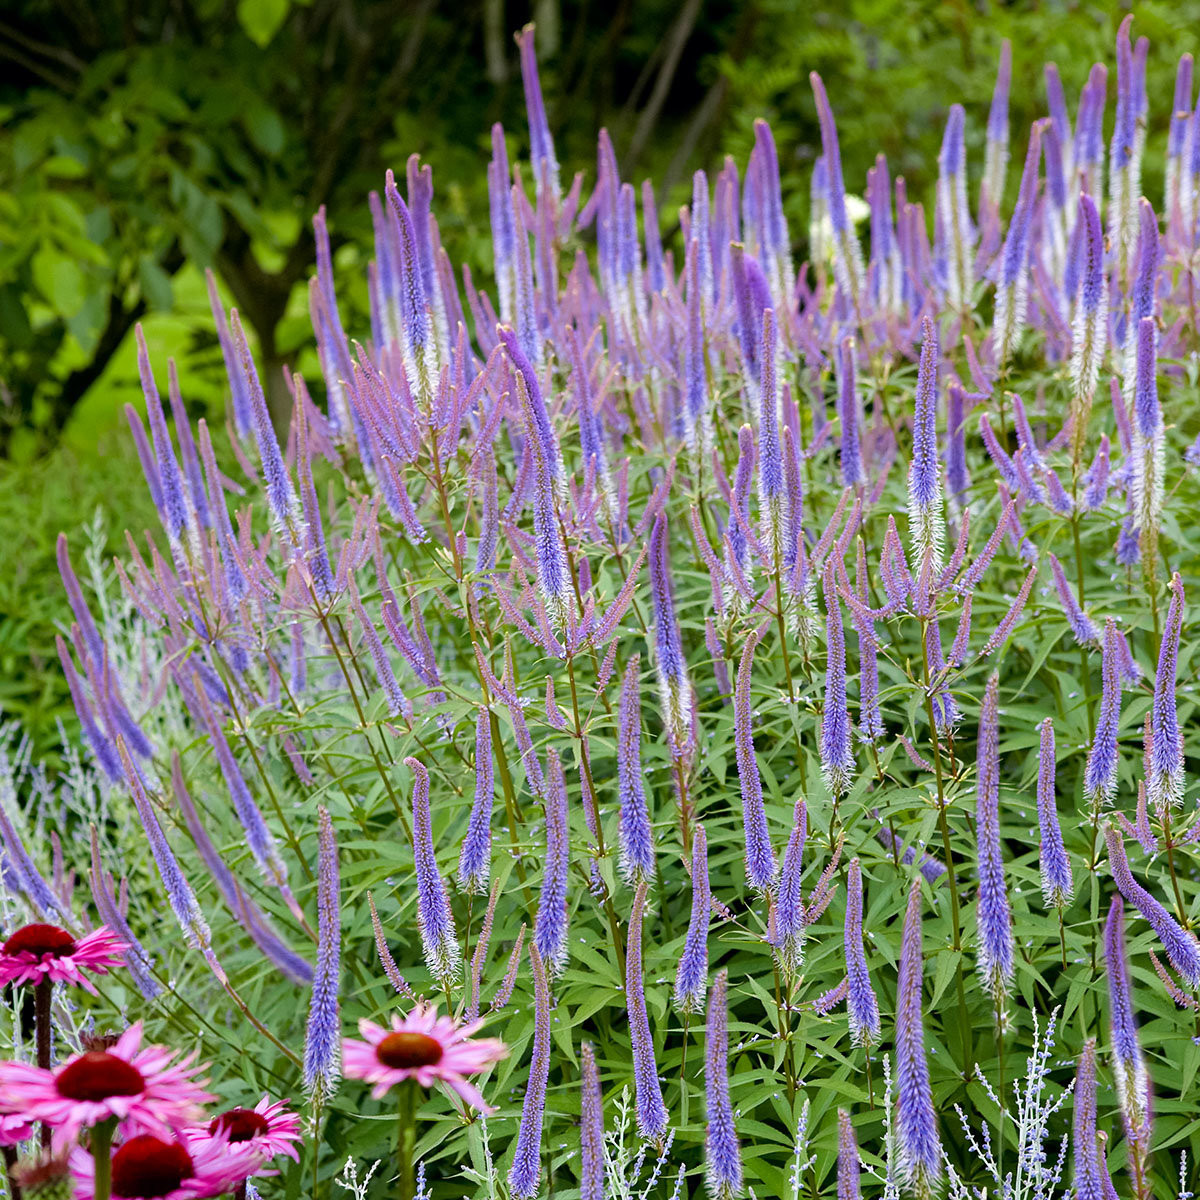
point(148, 1168)
point(424, 1047)
point(14, 1128)
point(141, 1087)
point(36, 952)
point(267, 1128)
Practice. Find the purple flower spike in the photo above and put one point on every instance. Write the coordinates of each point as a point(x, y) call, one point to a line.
point(1177, 137)
point(1164, 775)
point(1125, 152)
point(917, 1143)
point(996, 159)
point(848, 1170)
point(637, 836)
point(760, 857)
point(1083, 628)
point(722, 1155)
point(853, 472)
point(525, 1173)
point(925, 522)
point(957, 478)
point(1100, 775)
point(1013, 284)
point(836, 747)
point(474, 861)
point(994, 916)
point(691, 978)
point(1129, 1065)
point(322, 1045)
point(438, 937)
point(591, 1128)
point(650, 1111)
point(954, 213)
point(861, 1005)
point(1092, 1180)
point(550, 926)
point(847, 254)
point(1090, 330)
point(791, 921)
point(770, 454)
point(1096, 480)
point(174, 510)
point(1057, 884)
point(541, 145)
point(675, 687)
point(1181, 946)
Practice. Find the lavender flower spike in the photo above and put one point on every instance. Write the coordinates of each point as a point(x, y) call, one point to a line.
point(1164, 774)
point(1129, 1065)
point(1089, 332)
point(1148, 448)
point(723, 1158)
point(439, 940)
point(1100, 774)
point(917, 1143)
point(790, 918)
point(650, 1110)
point(1083, 628)
point(1181, 946)
point(995, 919)
point(591, 1128)
point(550, 926)
point(1057, 884)
point(847, 253)
point(675, 687)
point(954, 213)
point(692, 975)
point(1013, 284)
point(836, 747)
point(541, 144)
point(524, 1174)
point(996, 157)
point(637, 836)
point(925, 523)
point(322, 1046)
point(474, 861)
point(1092, 1181)
point(848, 1170)
point(760, 857)
point(853, 472)
point(861, 1005)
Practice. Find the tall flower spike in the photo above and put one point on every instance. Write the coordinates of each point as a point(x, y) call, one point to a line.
point(1129, 1065)
point(996, 158)
point(848, 1171)
point(174, 511)
point(1057, 884)
point(591, 1127)
point(650, 1111)
point(917, 1144)
point(1092, 1181)
point(995, 919)
point(1100, 774)
point(836, 746)
point(862, 1007)
point(691, 978)
point(760, 857)
point(1013, 285)
point(722, 1154)
point(474, 861)
point(1083, 628)
point(525, 1172)
point(637, 836)
point(1125, 153)
point(439, 941)
point(954, 212)
point(541, 145)
point(847, 254)
point(1181, 946)
point(957, 478)
point(550, 926)
point(771, 495)
point(323, 1043)
point(790, 918)
point(675, 687)
point(1089, 331)
point(926, 526)
point(1178, 136)
point(1164, 775)
point(853, 472)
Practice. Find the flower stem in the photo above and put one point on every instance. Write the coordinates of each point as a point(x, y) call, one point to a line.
point(406, 1140)
point(43, 992)
point(102, 1156)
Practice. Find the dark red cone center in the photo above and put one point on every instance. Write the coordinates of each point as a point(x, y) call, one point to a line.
point(409, 1050)
point(241, 1124)
point(145, 1167)
point(42, 940)
point(96, 1075)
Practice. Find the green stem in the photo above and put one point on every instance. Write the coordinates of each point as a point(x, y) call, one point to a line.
point(406, 1140)
point(102, 1157)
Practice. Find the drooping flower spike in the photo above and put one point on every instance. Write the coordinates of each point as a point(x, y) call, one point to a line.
point(722, 1155)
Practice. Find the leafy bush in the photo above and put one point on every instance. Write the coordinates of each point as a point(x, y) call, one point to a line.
point(520, 679)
